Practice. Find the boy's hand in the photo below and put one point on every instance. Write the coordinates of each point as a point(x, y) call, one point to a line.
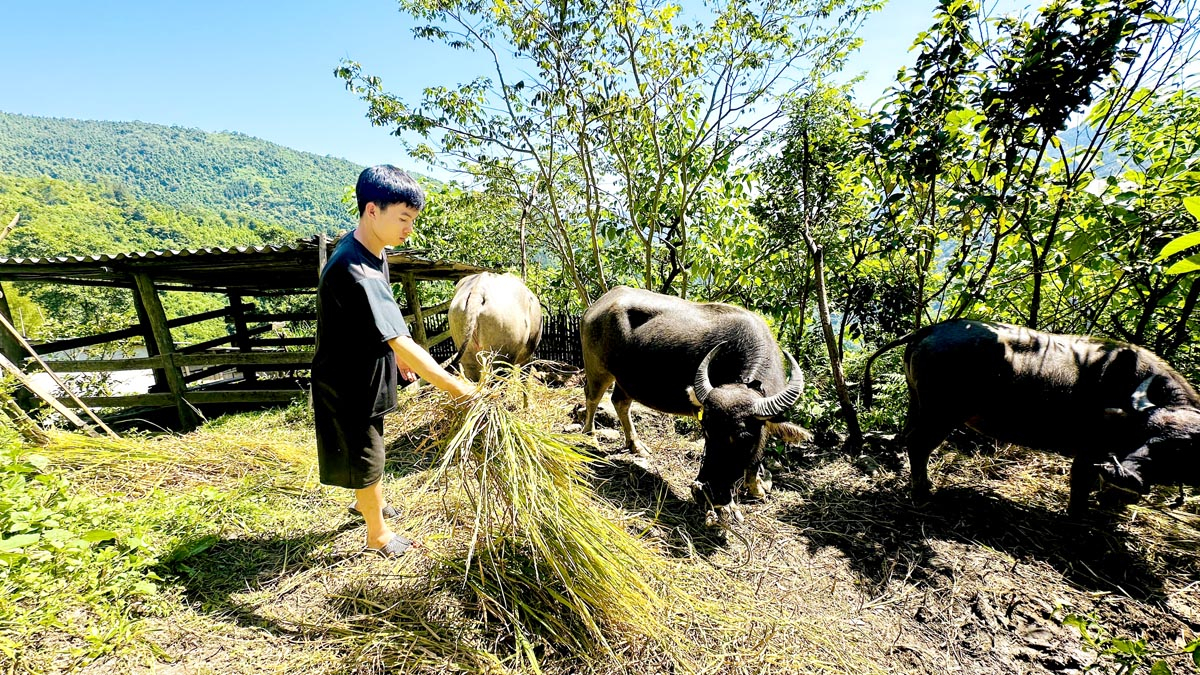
point(406, 373)
point(463, 390)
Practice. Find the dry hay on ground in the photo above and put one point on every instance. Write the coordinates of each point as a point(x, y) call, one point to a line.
point(836, 571)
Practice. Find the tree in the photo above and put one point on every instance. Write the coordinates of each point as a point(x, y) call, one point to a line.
point(968, 159)
point(623, 118)
point(809, 194)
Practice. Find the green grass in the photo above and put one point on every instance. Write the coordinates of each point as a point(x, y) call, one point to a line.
point(94, 528)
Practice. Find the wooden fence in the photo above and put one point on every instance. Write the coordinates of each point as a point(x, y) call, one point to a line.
point(560, 340)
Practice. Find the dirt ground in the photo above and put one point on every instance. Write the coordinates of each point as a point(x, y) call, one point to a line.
point(979, 580)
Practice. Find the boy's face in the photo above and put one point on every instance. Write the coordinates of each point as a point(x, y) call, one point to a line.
point(393, 224)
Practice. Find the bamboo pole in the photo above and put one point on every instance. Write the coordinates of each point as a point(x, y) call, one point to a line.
point(13, 331)
point(46, 396)
point(414, 305)
point(21, 420)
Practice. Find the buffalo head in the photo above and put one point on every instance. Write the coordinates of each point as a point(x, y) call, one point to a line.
point(737, 418)
point(1171, 453)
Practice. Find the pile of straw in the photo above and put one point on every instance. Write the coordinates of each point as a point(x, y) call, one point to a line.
point(541, 553)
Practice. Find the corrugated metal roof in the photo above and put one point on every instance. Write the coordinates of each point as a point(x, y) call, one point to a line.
point(144, 255)
point(241, 269)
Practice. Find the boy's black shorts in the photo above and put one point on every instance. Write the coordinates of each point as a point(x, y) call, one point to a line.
point(350, 449)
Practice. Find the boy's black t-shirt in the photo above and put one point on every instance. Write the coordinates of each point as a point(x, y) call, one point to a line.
point(354, 370)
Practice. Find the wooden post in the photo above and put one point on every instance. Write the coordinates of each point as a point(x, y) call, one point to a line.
point(414, 306)
point(188, 419)
point(322, 253)
point(8, 343)
point(241, 334)
point(160, 374)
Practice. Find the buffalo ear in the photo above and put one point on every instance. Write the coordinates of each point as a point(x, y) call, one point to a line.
point(792, 434)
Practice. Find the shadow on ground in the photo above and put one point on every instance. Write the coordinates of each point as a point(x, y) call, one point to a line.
point(212, 569)
point(627, 482)
point(884, 535)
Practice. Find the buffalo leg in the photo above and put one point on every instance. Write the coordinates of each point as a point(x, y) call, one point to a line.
point(920, 439)
point(1083, 479)
point(593, 390)
point(621, 402)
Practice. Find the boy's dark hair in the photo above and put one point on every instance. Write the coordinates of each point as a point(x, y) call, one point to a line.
point(386, 185)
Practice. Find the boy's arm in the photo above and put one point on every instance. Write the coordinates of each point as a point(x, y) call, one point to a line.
point(419, 360)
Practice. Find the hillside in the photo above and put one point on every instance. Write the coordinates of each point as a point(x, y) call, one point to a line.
point(77, 218)
point(184, 168)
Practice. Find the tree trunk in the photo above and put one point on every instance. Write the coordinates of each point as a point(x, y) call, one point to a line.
point(853, 432)
point(525, 206)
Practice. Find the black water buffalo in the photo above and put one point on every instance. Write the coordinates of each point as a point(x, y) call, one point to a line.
point(1118, 409)
point(714, 361)
point(497, 314)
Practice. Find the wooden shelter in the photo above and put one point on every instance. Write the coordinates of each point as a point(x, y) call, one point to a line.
point(239, 274)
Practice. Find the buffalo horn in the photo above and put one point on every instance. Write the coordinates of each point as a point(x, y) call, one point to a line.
point(771, 406)
point(700, 384)
point(1140, 400)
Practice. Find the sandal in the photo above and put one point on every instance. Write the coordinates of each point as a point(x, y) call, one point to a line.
point(389, 511)
point(395, 547)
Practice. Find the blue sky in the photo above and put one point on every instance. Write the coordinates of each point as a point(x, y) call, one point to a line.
point(265, 67)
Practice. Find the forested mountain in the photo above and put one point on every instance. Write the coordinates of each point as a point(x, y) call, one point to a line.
point(184, 168)
point(75, 218)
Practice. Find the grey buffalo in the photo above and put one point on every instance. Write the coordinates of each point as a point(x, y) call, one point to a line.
point(1119, 410)
point(714, 361)
point(497, 314)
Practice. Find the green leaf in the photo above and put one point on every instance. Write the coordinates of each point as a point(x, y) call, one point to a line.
point(1160, 668)
point(1191, 264)
point(1159, 17)
point(18, 540)
point(99, 535)
point(1192, 204)
point(1076, 621)
point(1179, 244)
point(1127, 646)
point(185, 551)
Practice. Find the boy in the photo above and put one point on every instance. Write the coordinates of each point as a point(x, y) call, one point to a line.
point(363, 345)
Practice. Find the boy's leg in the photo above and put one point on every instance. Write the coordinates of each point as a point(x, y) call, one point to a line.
point(370, 503)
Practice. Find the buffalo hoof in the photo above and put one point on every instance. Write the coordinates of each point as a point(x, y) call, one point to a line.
point(723, 516)
point(759, 483)
point(639, 448)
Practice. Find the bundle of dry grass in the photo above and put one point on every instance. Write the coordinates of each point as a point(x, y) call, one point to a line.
point(542, 554)
point(138, 464)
